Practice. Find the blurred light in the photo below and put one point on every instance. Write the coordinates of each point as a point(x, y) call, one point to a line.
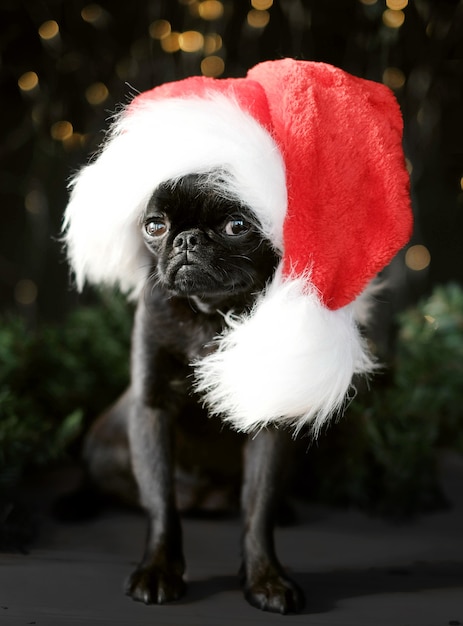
point(210, 9)
point(96, 93)
point(193, 7)
point(461, 183)
point(430, 319)
point(92, 13)
point(74, 142)
point(212, 43)
point(409, 166)
point(61, 130)
point(438, 29)
point(421, 116)
point(25, 291)
point(212, 66)
point(368, 2)
point(261, 5)
point(393, 19)
point(171, 43)
point(28, 81)
point(396, 5)
point(191, 41)
point(48, 30)
point(393, 77)
point(35, 202)
point(258, 19)
point(417, 258)
point(160, 29)
point(37, 115)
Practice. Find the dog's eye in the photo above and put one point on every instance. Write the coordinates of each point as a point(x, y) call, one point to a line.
point(156, 226)
point(236, 226)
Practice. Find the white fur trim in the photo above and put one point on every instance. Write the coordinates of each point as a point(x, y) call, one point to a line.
point(154, 141)
point(290, 362)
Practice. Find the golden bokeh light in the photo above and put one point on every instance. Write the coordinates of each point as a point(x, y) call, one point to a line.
point(25, 291)
point(96, 93)
point(171, 42)
point(49, 30)
point(417, 258)
point(210, 9)
point(212, 66)
point(396, 5)
point(258, 19)
point(393, 77)
point(160, 29)
point(212, 43)
point(393, 19)
point(61, 130)
point(35, 202)
point(28, 81)
point(74, 141)
point(261, 5)
point(191, 41)
point(92, 13)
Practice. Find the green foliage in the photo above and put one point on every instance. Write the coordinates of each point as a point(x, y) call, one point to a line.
point(54, 379)
point(429, 372)
point(382, 456)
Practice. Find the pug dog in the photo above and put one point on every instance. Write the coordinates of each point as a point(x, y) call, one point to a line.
point(208, 258)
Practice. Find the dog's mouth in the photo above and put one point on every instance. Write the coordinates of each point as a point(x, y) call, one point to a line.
point(195, 279)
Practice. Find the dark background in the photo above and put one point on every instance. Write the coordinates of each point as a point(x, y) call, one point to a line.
point(102, 53)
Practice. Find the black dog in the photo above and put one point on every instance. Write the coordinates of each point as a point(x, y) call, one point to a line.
point(208, 257)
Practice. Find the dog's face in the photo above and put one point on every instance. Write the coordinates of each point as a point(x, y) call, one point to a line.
point(205, 244)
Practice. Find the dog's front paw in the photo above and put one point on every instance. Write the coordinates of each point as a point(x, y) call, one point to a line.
point(275, 593)
point(153, 585)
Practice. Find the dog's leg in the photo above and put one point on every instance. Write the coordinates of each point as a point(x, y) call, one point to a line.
point(159, 576)
point(265, 583)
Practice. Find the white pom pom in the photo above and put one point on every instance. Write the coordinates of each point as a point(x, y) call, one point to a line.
point(290, 362)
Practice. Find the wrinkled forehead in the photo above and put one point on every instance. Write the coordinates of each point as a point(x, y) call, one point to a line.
point(203, 196)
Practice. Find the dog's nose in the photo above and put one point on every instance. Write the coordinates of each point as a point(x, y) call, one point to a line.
point(188, 240)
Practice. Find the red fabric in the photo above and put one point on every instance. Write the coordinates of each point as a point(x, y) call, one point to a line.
point(348, 191)
point(249, 94)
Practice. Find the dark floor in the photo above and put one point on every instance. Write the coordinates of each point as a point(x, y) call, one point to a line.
point(355, 570)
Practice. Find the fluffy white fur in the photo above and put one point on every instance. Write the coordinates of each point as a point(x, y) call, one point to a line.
point(153, 142)
point(290, 362)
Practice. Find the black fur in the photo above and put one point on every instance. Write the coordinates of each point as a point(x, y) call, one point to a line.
point(208, 257)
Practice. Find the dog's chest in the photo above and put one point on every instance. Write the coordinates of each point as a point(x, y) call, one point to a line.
point(187, 331)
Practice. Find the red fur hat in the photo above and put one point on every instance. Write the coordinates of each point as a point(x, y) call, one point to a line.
point(316, 154)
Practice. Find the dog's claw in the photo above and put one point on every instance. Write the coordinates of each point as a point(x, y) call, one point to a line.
point(155, 586)
point(277, 595)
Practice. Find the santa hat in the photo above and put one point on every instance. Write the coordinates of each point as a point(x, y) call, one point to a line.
point(316, 154)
